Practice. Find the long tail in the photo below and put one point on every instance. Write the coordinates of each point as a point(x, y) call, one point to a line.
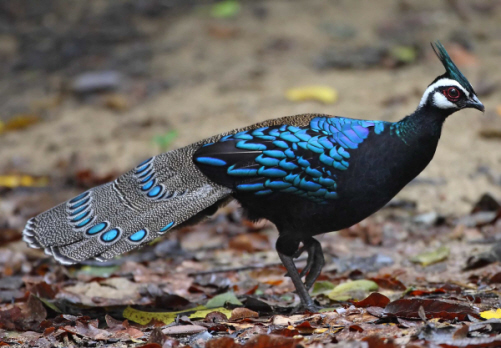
point(153, 198)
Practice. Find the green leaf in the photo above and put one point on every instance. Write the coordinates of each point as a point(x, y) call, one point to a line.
point(222, 299)
point(431, 257)
point(356, 289)
point(225, 9)
point(404, 54)
point(49, 304)
point(322, 287)
point(165, 141)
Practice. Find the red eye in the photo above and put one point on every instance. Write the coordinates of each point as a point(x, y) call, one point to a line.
point(452, 93)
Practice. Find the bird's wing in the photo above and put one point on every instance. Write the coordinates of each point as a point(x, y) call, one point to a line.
point(303, 161)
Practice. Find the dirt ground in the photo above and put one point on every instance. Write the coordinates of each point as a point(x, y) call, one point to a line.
point(166, 73)
point(227, 73)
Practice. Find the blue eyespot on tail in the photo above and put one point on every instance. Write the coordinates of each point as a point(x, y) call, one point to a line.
point(166, 227)
point(110, 236)
point(138, 236)
point(97, 228)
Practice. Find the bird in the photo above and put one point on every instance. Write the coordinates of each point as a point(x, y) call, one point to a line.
point(308, 174)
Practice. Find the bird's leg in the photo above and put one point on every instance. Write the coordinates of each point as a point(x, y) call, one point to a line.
point(301, 290)
point(285, 247)
point(314, 263)
point(309, 260)
point(306, 268)
point(316, 255)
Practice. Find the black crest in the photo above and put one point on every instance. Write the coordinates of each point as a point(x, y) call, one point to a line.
point(452, 70)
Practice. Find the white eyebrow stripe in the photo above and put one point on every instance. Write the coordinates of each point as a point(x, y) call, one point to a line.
point(441, 83)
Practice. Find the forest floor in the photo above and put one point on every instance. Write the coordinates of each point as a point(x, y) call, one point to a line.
point(90, 90)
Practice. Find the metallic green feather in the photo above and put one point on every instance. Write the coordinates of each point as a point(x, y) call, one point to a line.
point(451, 68)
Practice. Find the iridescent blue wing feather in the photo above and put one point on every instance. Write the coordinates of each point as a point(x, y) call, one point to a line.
point(303, 161)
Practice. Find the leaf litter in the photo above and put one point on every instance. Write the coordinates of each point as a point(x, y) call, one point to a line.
point(230, 291)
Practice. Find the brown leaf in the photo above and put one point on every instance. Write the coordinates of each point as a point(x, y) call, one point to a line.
point(496, 278)
point(134, 333)
point(379, 342)
point(285, 332)
point(419, 293)
point(8, 235)
point(356, 328)
point(216, 317)
point(35, 311)
point(259, 341)
point(43, 290)
point(222, 342)
point(88, 330)
point(241, 313)
point(389, 282)
point(462, 332)
point(49, 330)
point(250, 242)
point(373, 300)
point(157, 336)
point(305, 328)
point(113, 323)
point(265, 341)
point(409, 308)
point(221, 31)
point(9, 317)
point(116, 102)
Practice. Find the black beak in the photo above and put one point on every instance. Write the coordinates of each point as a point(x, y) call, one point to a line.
point(473, 102)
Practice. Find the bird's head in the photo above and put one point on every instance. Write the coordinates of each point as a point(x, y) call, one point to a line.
point(451, 91)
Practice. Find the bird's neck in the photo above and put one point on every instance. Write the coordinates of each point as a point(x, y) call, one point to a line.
point(424, 123)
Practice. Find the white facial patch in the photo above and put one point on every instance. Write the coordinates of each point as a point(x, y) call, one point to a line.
point(445, 82)
point(442, 102)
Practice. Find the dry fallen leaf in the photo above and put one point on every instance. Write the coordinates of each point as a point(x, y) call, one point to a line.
point(492, 314)
point(409, 308)
point(324, 94)
point(22, 180)
point(352, 289)
point(241, 313)
point(19, 122)
point(373, 300)
point(431, 257)
point(183, 330)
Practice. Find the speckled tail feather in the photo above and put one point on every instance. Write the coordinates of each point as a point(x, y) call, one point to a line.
point(148, 201)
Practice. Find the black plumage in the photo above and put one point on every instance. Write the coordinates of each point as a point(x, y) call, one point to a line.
point(308, 174)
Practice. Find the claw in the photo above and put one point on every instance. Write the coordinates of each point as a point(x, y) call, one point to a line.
point(312, 308)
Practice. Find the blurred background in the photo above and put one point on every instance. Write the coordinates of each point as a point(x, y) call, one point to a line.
point(97, 86)
point(90, 88)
